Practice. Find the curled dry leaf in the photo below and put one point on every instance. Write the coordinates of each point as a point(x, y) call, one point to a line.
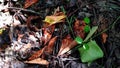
point(48, 49)
point(28, 3)
point(104, 37)
point(67, 44)
point(79, 28)
point(38, 61)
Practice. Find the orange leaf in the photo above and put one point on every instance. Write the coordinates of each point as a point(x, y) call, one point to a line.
point(104, 37)
point(28, 3)
point(38, 61)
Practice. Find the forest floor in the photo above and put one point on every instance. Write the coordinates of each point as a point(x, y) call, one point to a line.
point(60, 34)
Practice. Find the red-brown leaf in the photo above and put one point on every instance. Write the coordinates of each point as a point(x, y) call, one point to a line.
point(50, 46)
point(37, 54)
point(65, 44)
point(28, 3)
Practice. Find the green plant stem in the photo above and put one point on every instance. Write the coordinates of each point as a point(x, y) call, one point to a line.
point(69, 22)
point(111, 26)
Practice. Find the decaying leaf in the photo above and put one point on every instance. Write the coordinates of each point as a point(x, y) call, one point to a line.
point(37, 54)
point(66, 45)
point(38, 61)
point(104, 37)
point(28, 3)
point(79, 28)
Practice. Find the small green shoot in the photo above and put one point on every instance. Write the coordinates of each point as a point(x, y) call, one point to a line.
point(87, 20)
point(79, 40)
point(87, 28)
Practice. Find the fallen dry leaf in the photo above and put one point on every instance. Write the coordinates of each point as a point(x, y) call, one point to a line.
point(48, 33)
point(38, 61)
point(65, 44)
point(28, 3)
point(54, 19)
point(104, 37)
point(37, 54)
point(50, 46)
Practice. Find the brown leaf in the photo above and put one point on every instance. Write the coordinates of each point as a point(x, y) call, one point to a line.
point(50, 46)
point(104, 37)
point(28, 3)
point(48, 33)
point(37, 54)
point(67, 44)
point(38, 61)
point(79, 28)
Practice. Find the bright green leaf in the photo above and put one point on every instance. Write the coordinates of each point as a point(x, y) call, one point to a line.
point(85, 46)
point(87, 20)
point(79, 40)
point(87, 28)
point(92, 31)
point(92, 53)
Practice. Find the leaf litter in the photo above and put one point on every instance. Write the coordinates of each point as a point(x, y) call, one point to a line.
point(38, 33)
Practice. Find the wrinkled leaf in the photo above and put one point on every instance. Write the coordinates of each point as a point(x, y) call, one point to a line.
point(92, 53)
point(28, 3)
point(54, 19)
point(38, 61)
point(92, 31)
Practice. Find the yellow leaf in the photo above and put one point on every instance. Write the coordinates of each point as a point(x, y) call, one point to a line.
point(54, 19)
point(1, 30)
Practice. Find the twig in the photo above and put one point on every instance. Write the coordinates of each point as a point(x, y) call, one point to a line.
point(26, 10)
point(111, 26)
